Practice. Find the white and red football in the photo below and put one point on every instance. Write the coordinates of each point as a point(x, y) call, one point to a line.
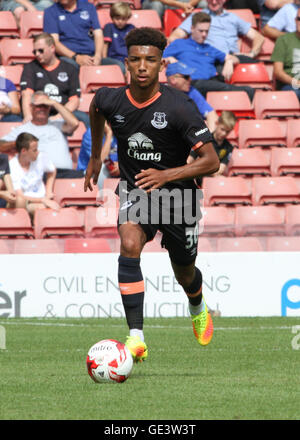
point(109, 361)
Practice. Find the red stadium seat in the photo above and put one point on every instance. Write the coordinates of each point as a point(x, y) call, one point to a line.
point(293, 133)
point(8, 25)
point(292, 219)
point(75, 139)
point(16, 51)
point(217, 221)
point(145, 17)
point(276, 104)
point(13, 73)
point(261, 133)
point(50, 246)
point(31, 23)
point(246, 15)
point(239, 244)
point(274, 190)
point(205, 244)
point(254, 75)
point(85, 101)
point(265, 52)
point(236, 102)
point(93, 77)
point(172, 19)
point(49, 223)
point(70, 193)
point(283, 244)
point(15, 223)
point(104, 16)
point(259, 220)
point(249, 162)
point(6, 127)
point(221, 190)
point(86, 245)
point(101, 221)
point(285, 161)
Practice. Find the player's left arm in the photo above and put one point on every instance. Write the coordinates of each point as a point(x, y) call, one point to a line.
point(208, 163)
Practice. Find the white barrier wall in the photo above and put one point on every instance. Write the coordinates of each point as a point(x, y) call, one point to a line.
point(86, 285)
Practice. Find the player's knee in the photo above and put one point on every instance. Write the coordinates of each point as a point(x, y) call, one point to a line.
point(131, 247)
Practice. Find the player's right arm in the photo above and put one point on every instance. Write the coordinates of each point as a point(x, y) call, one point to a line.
point(97, 122)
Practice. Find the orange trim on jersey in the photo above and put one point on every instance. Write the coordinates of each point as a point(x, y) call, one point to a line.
point(131, 288)
point(73, 97)
point(50, 68)
point(198, 145)
point(143, 104)
point(193, 295)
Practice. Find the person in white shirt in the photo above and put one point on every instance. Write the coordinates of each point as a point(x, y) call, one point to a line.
point(51, 134)
point(27, 171)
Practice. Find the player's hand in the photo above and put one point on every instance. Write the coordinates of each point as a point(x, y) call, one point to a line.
point(92, 172)
point(150, 179)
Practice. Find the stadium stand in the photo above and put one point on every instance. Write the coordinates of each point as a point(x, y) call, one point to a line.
point(107, 3)
point(239, 244)
point(259, 220)
point(93, 77)
point(265, 52)
point(13, 73)
point(221, 190)
point(37, 246)
point(86, 245)
point(254, 75)
point(49, 223)
point(85, 101)
point(249, 162)
point(15, 223)
point(205, 244)
point(292, 133)
point(8, 25)
point(75, 139)
point(285, 161)
point(31, 23)
point(145, 17)
point(286, 244)
point(292, 220)
point(237, 102)
point(217, 221)
point(276, 104)
point(261, 133)
point(70, 193)
point(16, 50)
point(274, 190)
point(101, 221)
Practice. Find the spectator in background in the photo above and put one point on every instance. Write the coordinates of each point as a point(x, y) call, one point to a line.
point(28, 168)
point(109, 155)
point(268, 8)
point(243, 4)
point(57, 78)
point(75, 28)
point(10, 110)
point(114, 49)
point(51, 134)
point(19, 6)
point(225, 30)
point(7, 193)
point(286, 59)
point(203, 58)
point(223, 147)
point(160, 6)
point(283, 21)
point(179, 77)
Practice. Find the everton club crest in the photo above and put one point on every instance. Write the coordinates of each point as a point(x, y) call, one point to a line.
point(159, 120)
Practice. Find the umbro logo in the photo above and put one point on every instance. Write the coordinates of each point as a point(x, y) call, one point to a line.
point(201, 131)
point(119, 118)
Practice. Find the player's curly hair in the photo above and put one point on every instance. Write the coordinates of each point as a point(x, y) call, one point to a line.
point(146, 36)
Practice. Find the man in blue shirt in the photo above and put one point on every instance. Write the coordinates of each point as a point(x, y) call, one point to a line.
point(203, 58)
point(75, 28)
point(283, 21)
point(224, 32)
point(179, 77)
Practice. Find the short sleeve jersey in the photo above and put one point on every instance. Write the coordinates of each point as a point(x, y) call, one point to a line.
point(60, 82)
point(158, 133)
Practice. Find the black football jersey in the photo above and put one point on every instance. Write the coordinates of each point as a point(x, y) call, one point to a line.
point(158, 133)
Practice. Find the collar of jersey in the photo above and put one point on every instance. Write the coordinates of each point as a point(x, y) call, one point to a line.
point(143, 104)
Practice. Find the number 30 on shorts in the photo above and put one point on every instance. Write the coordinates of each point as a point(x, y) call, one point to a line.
point(191, 236)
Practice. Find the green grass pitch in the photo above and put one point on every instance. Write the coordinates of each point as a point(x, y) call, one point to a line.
point(249, 371)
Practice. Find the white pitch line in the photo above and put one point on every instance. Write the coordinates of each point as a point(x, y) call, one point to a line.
point(58, 324)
